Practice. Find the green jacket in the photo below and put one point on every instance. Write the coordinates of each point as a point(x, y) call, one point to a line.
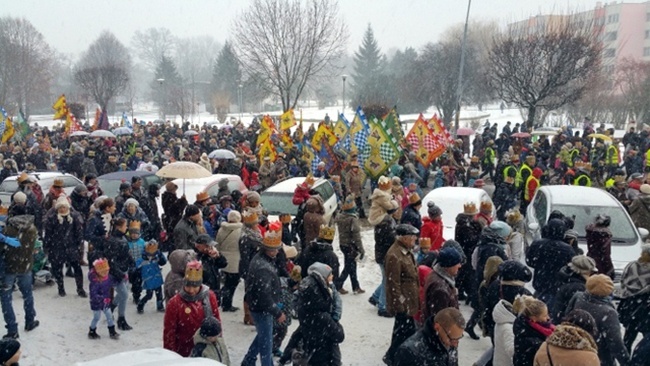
point(206, 349)
point(20, 260)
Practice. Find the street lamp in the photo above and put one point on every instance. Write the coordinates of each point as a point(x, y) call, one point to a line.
point(164, 101)
point(459, 91)
point(241, 101)
point(344, 77)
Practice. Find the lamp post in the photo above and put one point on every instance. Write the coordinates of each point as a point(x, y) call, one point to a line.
point(198, 112)
point(459, 91)
point(241, 101)
point(164, 101)
point(343, 77)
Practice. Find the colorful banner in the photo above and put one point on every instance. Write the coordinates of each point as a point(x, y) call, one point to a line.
point(287, 120)
point(325, 134)
point(426, 146)
point(60, 108)
point(380, 151)
point(22, 127)
point(267, 129)
point(358, 133)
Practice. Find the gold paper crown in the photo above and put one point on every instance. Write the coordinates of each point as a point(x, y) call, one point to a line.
point(101, 264)
point(425, 243)
point(309, 180)
point(414, 198)
point(151, 247)
point(285, 218)
point(194, 273)
point(135, 225)
point(582, 165)
point(486, 207)
point(326, 232)
point(469, 208)
point(249, 217)
point(273, 236)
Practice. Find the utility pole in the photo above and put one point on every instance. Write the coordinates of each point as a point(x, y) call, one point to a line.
point(459, 91)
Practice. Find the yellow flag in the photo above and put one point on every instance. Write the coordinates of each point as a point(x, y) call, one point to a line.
point(323, 132)
point(9, 131)
point(60, 103)
point(287, 120)
point(61, 113)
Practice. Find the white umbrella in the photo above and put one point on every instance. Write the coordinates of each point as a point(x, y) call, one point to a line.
point(79, 133)
point(222, 154)
point(548, 131)
point(190, 133)
point(102, 133)
point(122, 131)
point(183, 170)
point(159, 122)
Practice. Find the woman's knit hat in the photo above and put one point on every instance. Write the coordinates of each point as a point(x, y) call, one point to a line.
point(600, 285)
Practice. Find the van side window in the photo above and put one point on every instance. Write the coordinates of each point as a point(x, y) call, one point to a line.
point(325, 190)
point(540, 208)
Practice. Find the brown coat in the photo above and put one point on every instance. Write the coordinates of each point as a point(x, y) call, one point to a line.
point(402, 283)
point(568, 346)
point(313, 219)
point(353, 182)
point(438, 294)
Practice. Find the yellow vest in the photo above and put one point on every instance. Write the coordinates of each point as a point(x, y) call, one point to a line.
point(647, 158)
point(519, 179)
point(527, 197)
point(582, 177)
point(612, 152)
point(506, 170)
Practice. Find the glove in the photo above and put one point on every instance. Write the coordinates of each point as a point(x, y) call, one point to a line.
point(296, 274)
point(361, 256)
point(12, 242)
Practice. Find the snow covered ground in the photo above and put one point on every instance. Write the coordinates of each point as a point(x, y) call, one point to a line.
point(62, 338)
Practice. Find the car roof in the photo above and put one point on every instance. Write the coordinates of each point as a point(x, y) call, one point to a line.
point(289, 184)
point(205, 181)
point(469, 192)
point(125, 174)
point(578, 195)
point(41, 175)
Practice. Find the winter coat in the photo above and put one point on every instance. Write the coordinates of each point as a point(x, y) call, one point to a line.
point(150, 209)
point(313, 219)
point(228, 244)
point(140, 216)
point(249, 244)
point(183, 317)
point(568, 283)
point(599, 247)
point(350, 232)
point(382, 204)
point(490, 244)
point(424, 348)
point(173, 208)
point(100, 290)
point(263, 286)
point(547, 256)
point(185, 234)
point(120, 200)
point(150, 269)
point(500, 290)
point(178, 259)
point(353, 183)
point(640, 211)
point(402, 286)
point(81, 204)
point(527, 342)
point(610, 340)
point(504, 338)
point(20, 260)
point(213, 351)
point(467, 233)
point(423, 273)
point(211, 266)
point(439, 292)
point(63, 237)
point(505, 198)
point(568, 346)
point(432, 230)
point(384, 237)
point(118, 255)
point(97, 229)
point(319, 251)
point(412, 217)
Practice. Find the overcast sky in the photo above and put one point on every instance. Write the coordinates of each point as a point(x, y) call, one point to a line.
point(71, 25)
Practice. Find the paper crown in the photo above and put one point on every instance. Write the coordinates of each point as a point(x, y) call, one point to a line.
point(425, 243)
point(349, 203)
point(101, 264)
point(582, 165)
point(285, 218)
point(309, 181)
point(469, 208)
point(326, 232)
point(249, 217)
point(194, 273)
point(151, 247)
point(135, 225)
point(486, 207)
point(273, 236)
point(414, 198)
point(384, 183)
point(58, 182)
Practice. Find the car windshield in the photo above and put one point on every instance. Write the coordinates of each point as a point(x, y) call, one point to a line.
point(277, 203)
point(9, 186)
point(111, 187)
point(623, 232)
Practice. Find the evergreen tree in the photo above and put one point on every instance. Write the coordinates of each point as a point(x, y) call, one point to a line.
point(170, 94)
point(370, 84)
point(405, 73)
point(226, 78)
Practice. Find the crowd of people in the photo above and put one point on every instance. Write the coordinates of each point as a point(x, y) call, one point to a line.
point(290, 269)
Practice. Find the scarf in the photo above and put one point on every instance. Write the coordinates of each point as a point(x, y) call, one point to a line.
point(107, 219)
point(61, 218)
point(194, 298)
point(544, 329)
point(444, 275)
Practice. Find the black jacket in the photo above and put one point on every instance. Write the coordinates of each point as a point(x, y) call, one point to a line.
point(118, 255)
point(412, 217)
point(81, 204)
point(568, 283)
point(173, 208)
point(425, 349)
point(319, 251)
point(211, 267)
point(527, 342)
point(63, 240)
point(384, 237)
point(249, 245)
point(491, 244)
point(548, 255)
point(467, 233)
point(263, 285)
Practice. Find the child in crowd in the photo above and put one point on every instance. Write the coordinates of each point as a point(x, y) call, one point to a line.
point(149, 266)
point(136, 248)
point(100, 298)
point(207, 343)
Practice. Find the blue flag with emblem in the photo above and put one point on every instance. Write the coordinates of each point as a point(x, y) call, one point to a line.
point(125, 121)
point(3, 124)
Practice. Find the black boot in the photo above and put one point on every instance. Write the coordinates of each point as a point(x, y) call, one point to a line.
point(61, 290)
point(113, 334)
point(81, 292)
point(92, 333)
point(122, 324)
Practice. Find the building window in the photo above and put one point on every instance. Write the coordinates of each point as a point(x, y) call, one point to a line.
point(611, 36)
point(609, 52)
point(647, 34)
point(646, 51)
point(612, 18)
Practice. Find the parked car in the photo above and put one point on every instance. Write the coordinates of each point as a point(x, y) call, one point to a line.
point(148, 357)
point(44, 179)
point(209, 184)
point(277, 198)
point(451, 201)
point(584, 204)
point(110, 183)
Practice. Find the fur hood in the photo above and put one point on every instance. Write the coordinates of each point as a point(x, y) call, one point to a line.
point(572, 337)
point(178, 259)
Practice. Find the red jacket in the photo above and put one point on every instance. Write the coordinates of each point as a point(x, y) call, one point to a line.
point(432, 229)
point(423, 273)
point(182, 319)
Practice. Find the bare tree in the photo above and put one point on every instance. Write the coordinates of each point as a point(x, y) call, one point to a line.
point(104, 69)
point(632, 79)
point(545, 68)
point(152, 44)
point(301, 41)
point(26, 65)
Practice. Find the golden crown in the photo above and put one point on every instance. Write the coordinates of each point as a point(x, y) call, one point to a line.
point(151, 247)
point(101, 264)
point(425, 243)
point(249, 217)
point(486, 207)
point(469, 208)
point(285, 218)
point(309, 181)
point(135, 225)
point(326, 232)
point(194, 272)
point(384, 183)
point(273, 236)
